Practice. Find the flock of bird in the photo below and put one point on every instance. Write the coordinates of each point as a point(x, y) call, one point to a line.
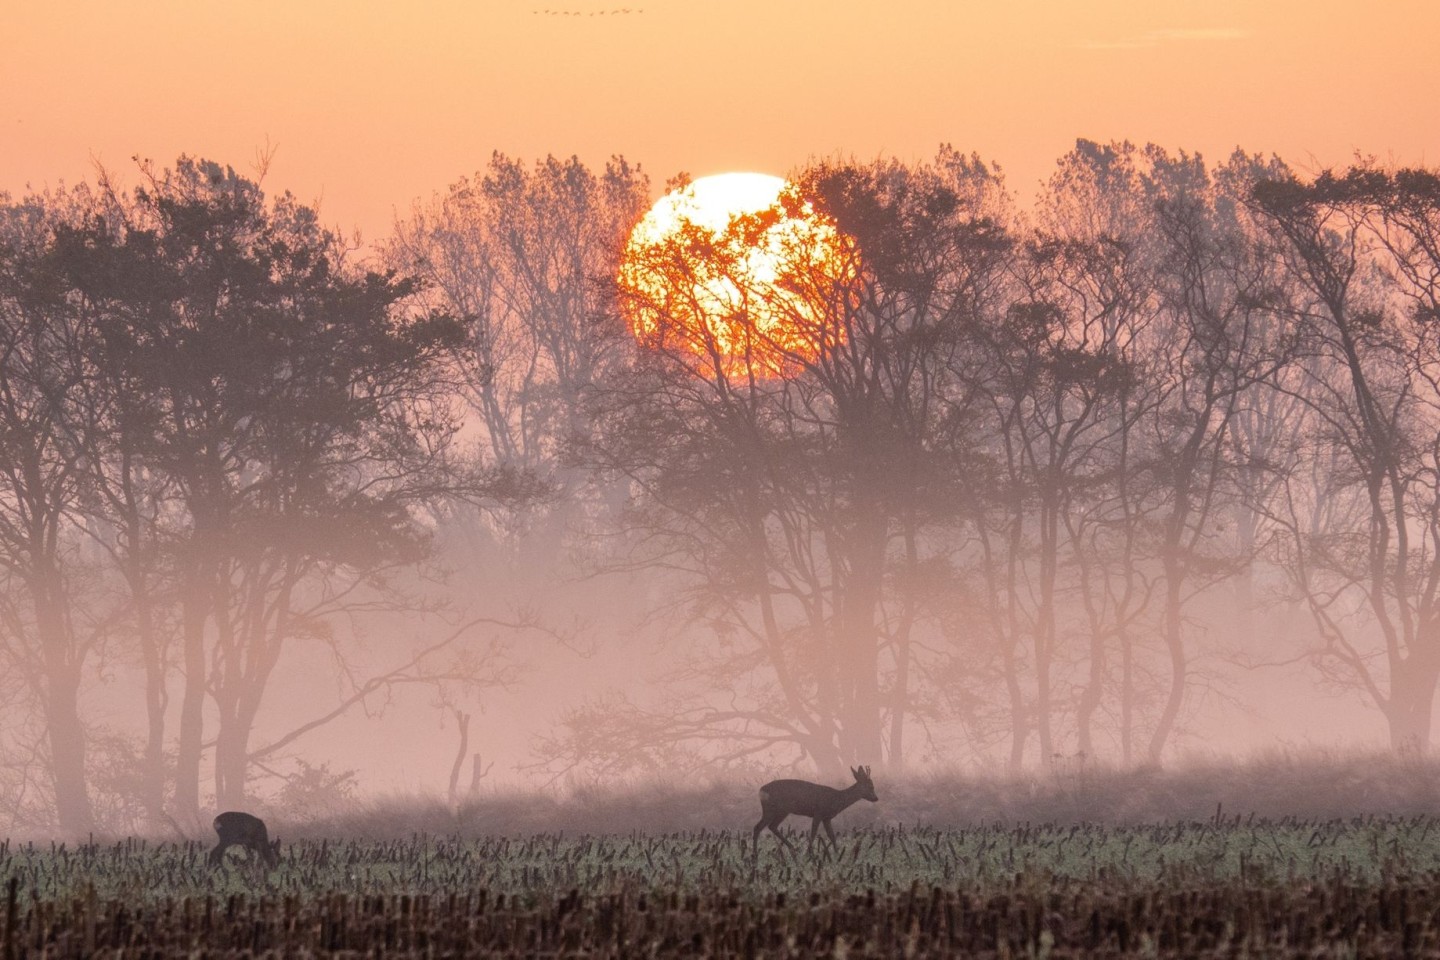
point(620, 12)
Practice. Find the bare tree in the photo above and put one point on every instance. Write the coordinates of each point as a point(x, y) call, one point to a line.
point(1217, 343)
point(1138, 329)
point(525, 255)
point(51, 621)
point(1361, 248)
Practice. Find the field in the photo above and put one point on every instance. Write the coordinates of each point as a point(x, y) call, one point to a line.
point(1318, 857)
point(1367, 886)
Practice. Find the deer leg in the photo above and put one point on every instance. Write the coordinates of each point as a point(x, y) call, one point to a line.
point(814, 826)
point(774, 824)
point(771, 821)
point(831, 832)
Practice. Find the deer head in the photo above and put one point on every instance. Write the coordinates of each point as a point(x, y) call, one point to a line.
point(867, 786)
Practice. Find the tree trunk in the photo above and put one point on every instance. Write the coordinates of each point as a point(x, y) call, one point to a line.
point(1127, 697)
point(900, 701)
point(136, 554)
point(192, 703)
point(862, 732)
point(900, 696)
point(1411, 709)
point(232, 742)
point(238, 699)
point(156, 699)
point(1045, 630)
point(1019, 716)
point(1090, 696)
point(1174, 644)
point(65, 732)
point(67, 757)
point(463, 721)
point(252, 625)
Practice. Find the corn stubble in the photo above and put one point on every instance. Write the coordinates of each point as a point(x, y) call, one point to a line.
point(1357, 887)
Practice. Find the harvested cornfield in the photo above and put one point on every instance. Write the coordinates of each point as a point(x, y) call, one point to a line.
point(1361, 887)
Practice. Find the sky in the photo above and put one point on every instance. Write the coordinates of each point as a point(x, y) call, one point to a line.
point(366, 106)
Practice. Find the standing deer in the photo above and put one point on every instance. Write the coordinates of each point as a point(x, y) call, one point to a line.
point(244, 830)
point(780, 798)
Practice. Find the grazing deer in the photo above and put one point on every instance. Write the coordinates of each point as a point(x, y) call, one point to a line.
point(780, 798)
point(244, 830)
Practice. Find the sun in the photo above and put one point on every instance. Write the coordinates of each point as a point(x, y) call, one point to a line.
point(737, 271)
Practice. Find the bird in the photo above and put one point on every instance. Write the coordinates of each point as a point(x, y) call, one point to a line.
point(618, 11)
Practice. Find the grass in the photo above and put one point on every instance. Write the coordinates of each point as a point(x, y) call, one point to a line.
point(1366, 886)
point(886, 860)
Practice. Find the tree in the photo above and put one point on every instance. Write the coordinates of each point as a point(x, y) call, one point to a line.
point(51, 623)
point(301, 415)
point(1137, 330)
point(1057, 380)
point(1217, 345)
point(1361, 248)
point(525, 257)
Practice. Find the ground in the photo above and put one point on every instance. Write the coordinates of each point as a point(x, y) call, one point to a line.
point(1357, 887)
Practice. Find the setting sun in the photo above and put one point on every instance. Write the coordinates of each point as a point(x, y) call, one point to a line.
point(734, 268)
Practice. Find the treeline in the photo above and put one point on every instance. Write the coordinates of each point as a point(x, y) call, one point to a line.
point(1024, 461)
point(987, 502)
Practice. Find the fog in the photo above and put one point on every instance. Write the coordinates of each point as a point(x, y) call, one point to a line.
point(1135, 473)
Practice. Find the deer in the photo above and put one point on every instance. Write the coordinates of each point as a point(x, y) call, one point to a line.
point(246, 830)
point(780, 798)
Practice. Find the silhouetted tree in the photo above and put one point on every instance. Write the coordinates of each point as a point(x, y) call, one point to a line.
point(526, 256)
point(1361, 246)
point(300, 413)
point(1058, 374)
point(50, 622)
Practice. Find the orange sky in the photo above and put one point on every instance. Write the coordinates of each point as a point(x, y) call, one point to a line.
point(371, 104)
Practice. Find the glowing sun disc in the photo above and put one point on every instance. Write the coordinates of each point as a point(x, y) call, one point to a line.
point(721, 269)
point(710, 202)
